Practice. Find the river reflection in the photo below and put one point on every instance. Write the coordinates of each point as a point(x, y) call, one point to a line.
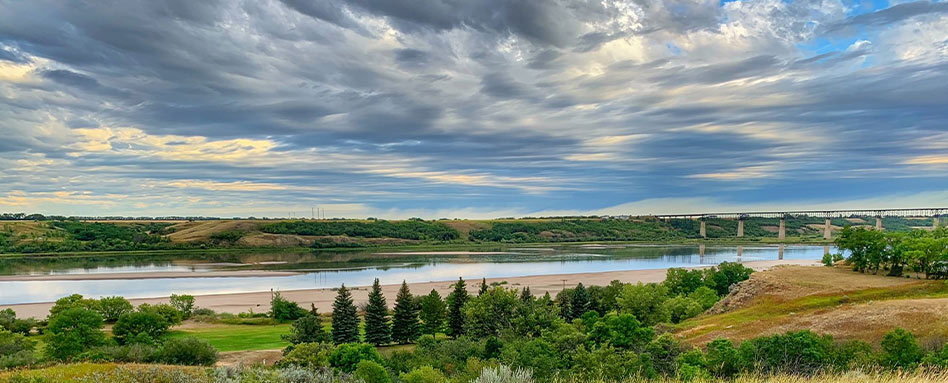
point(321, 270)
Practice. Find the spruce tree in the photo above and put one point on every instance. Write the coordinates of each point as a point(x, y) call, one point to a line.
point(345, 321)
point(526, 295)
point(579, 302)
point(378, 329)
point(456, 301)
point(405, 325)
point(432, 313)
point(483, 287)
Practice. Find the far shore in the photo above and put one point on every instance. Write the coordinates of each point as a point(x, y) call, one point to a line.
point(323, 298)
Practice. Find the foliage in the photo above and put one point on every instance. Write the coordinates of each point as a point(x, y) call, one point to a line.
point(646, 302)
point(456, 301)
point(796, 352)
point(140, 327)
point(722, 358)
point(16, 350)
point(345, 322)
point(283, 309)
point(406, 327)
point(370, 371)
point(490, 313)
point(705, 296)
point(72, 301)
point(432, 313)
point(189, 351)
point(347, 356)
point(424, 374)
point(183, 303)
point(622, 331)
point(681, 307)
point(900, 350)
point(578, 302)
point(683, 282)
point(309, 355)
point(575, 230)
point(10, 322)
point(72, 331)
point(378, 329)
point(504, 374)
point(873, 250)
point(112, 308)
point(308, 329)
point(726, 274)
point(413, 229)
point(171, 314)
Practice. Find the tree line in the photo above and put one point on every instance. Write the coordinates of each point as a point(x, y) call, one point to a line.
point(895, 253)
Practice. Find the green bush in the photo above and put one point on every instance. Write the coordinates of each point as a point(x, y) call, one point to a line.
point(16, 350)
point(646, 302)
point(282, 309)
point(900, 350)
point(140, 327)
point(722, 358)
point(112, 308)
point(348, 355)
point(184, 304)
point(681, 307)
point(308, 329)
point(309, 355)
point(937, 359)
point(371, 372)
point(131, 353)
point(424, 374)
point(705, 296)
point(171, 314)
point(189, 351)
point(725, 275)
point(73, 331)
point(795, 352)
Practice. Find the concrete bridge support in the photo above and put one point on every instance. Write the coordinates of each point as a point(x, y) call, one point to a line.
point(935, 222)
point(782, 231)
point(704, 230)
point(740, 253)
point(879, 223)
point(780, 252)
point(828, 229)
point(701, 250)
point(740, 228)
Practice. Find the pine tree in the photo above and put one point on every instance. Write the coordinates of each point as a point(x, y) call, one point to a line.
point(456, 301)
point(483, 287)
point(378, 329)
point(432, 313)
point(405, 325)
point(525, 294)
point(345, 321)
point(579, 302)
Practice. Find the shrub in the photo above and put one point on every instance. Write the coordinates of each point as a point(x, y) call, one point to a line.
point(683, 282)
point(184, 304)
point(371, 372)
point(664, 351)
point(72, 331)
point(621, 331)
point(721, 358)
point(308, 329)
point(705, 296)
point(309, 355)
point(503, 374)
point(140, 327)
point(827, 260)
point(646, 302)
point(424, 374)
point(900, 350)
point(132, 353)
point(681, 307)
point(282, 309)
point(189, 351)
point(348, 355)
point(15, 350)
point(937, 359)
point(796, 352)
point(721, 278)
point(112, 308)
point(171, 314)
point(72, 301)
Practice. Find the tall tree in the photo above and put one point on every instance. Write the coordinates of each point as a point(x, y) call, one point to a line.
point(456, 301)
point(526, 295)
point(483, 287)
point(579, 302)
point(405, 325)
point(345, 321)
point(432, 313)
point(378, 329)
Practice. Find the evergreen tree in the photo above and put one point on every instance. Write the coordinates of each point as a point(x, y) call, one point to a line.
point(378, 329)
point(483, 287)
point(432, 313)
point(405, 325)
point(456, 301)
point(579, 302)
point(345, 321)
point(526, 295)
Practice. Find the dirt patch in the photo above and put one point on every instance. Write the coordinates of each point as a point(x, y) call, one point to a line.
point(276, 240)
point(202, 230)
point(742, 295)
point(770, 229)
point(249, 358)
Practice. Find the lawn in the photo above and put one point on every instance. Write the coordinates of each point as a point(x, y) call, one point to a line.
point(239, 337)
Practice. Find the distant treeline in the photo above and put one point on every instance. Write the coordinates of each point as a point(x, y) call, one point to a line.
point(412, 229)
point(894, 253)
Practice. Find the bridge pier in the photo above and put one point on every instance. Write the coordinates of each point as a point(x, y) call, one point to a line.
point(828, 229)
point(740, 228)
point(879, 223)
point(740, 252)
point(701, 250)
point(782, 231)
point(704, 230)
point(780, 252)
point(935, 222)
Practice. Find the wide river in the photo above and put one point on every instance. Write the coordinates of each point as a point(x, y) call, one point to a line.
point(331, 269)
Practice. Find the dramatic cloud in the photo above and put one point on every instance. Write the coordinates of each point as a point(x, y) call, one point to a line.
point(469, 108)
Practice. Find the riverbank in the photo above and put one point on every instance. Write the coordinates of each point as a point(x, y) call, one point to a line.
point(323, 298)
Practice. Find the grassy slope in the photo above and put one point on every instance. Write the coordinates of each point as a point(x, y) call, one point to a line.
point(239, 337)
point(835, 301)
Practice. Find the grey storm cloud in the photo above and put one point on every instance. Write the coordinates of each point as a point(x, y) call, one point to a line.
point(499, 103)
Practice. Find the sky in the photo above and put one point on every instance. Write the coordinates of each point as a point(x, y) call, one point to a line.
point(471, 109)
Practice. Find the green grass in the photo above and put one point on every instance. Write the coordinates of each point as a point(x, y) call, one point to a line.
point(239, 337)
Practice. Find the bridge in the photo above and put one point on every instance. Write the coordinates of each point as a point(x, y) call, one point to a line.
point(934, 213)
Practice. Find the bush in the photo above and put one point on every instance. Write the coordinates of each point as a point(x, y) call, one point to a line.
point(424, 374)
point(189, 351)
point(721, 358)
point(309, 355)
point(73, 301)
point(664, 352)
point(171, 314)
point(371, 372)
point(348, 355)
point(15, 350)
point(721, 278)
point(681, 307)
point(800, 352)
point(308, 329)
point(938, 359)
point(683, 282)
point(132, 353)
point(282, 309)
point(112, 308)
point(827, 260)
point(72, 331)
point(504, 374)
point(646, 302)
point(900, 350)
point(184, 304)
point(621, 331)
point(140, 327)
point(705, 296)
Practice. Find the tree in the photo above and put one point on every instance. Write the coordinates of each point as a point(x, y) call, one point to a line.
point(347, 356)
point(169, 312)
point(900, 350)
point(345, 321)
point(646, 302)
point(184, 304)
point(483, 288)
point(456, 301)
point(140, 327)
point(378, 329)
point(309, 355)
point(432, 313)
point(491, 312)
point(189, 351)
point(681, 307)
point(680, 281)
point(282, 309)
point(112, 308)
point(405, 325)
point(308, 329)
point(371, 372)
point(579, 302)
point(74, 300)
point(72, 331)
point(526, 295)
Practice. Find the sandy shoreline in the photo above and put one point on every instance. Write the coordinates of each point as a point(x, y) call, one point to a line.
point(323, 298)
point(149, 275)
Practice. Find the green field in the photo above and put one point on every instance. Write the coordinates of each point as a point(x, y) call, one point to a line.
point(239, 337)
